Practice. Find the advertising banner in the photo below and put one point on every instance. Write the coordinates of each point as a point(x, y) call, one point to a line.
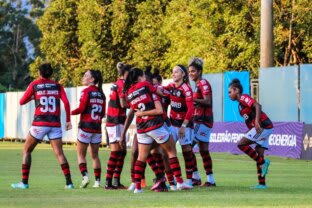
point(307, 142)
point(286, 140)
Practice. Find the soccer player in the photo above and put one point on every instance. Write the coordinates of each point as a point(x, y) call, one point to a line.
point(203, 118)
point(181, 113)
point(91, 110)
point(154, 159)
point(47, 122)
point(165, 101)
point(260, 128)
point(116, 116)
point(148, 110)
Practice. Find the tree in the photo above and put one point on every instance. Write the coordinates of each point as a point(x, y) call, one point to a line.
point(17, 30)
point(293, 32)
point(59, 44)
point(94, 34)
point(151, 43)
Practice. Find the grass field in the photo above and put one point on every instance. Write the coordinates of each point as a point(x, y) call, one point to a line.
point(289, 181)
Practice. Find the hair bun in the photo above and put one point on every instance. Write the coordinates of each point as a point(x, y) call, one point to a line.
point(120, 65)
point(235, 81)
point(148, 69)
point(156, 72)
point(196, 61)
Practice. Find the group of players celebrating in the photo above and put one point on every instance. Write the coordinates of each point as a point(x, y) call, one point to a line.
point(190, 121)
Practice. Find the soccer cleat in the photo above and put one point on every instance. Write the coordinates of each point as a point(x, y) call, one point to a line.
point(265, 167)
point(138, 191)
point(196, 182)
point(132, 187)
point(259, 186)
point(69, 186)
point(184, 186)
point(158, 184)
point(97, 184)
point(19, 185)
point(85, 182)
point(119, 186)
point(109, 187)
point(173, 188)
point(208, 184)
point(143, 183)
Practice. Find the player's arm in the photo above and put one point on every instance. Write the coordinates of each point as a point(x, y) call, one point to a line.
point(104, 108)
point(28, 95)
point(206, 101)
point(189, 113)
point(158, 110)
point(258, 110)
point(122, 141)
point(205, 88)
point(64, 99)
point(82, 105)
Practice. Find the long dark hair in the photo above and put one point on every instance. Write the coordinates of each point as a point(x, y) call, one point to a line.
point(148, 74)
point(236, 84)
point(186, 77)
point(122, 68)
point(46, 70)
point(157, 76)
point(132, 78)
point(98, 79)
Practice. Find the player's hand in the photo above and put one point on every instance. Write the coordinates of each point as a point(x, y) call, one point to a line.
point(138, 113)
point(68, 126)
point(181, 132)
point(258, 127)
point(122, 142)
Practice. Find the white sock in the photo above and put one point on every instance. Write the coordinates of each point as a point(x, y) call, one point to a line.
point(196, 175)
point(210, 179)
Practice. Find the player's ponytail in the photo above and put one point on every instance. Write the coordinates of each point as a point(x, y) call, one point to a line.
point(98, 79)
point(157, 76)
point(132, 78)
point(236, 84)
point(148, 74)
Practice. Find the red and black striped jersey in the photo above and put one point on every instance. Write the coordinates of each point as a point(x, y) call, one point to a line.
point(165, 101)
point(47, 95)
point(181, 102)
point(248, 112)
point(140, 96)
point(92, 109)
point(203, 114)
point(115, 113)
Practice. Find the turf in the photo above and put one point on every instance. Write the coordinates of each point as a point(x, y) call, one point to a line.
point(289, 181)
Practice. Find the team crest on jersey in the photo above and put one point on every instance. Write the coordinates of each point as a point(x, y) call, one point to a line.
point(39, 86)
point(178, 93)
point(188, 93)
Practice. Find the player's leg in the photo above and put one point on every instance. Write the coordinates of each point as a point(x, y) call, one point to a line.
point(205, 154)
point(29, 146)
point(120, 160)
point(134, 157)
point(57, 147)
point(244, 145)
point(94, 153)
point(170, 149)
point(261, 179)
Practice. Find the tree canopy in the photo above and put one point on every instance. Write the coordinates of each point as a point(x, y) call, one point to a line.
point(77, 35)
